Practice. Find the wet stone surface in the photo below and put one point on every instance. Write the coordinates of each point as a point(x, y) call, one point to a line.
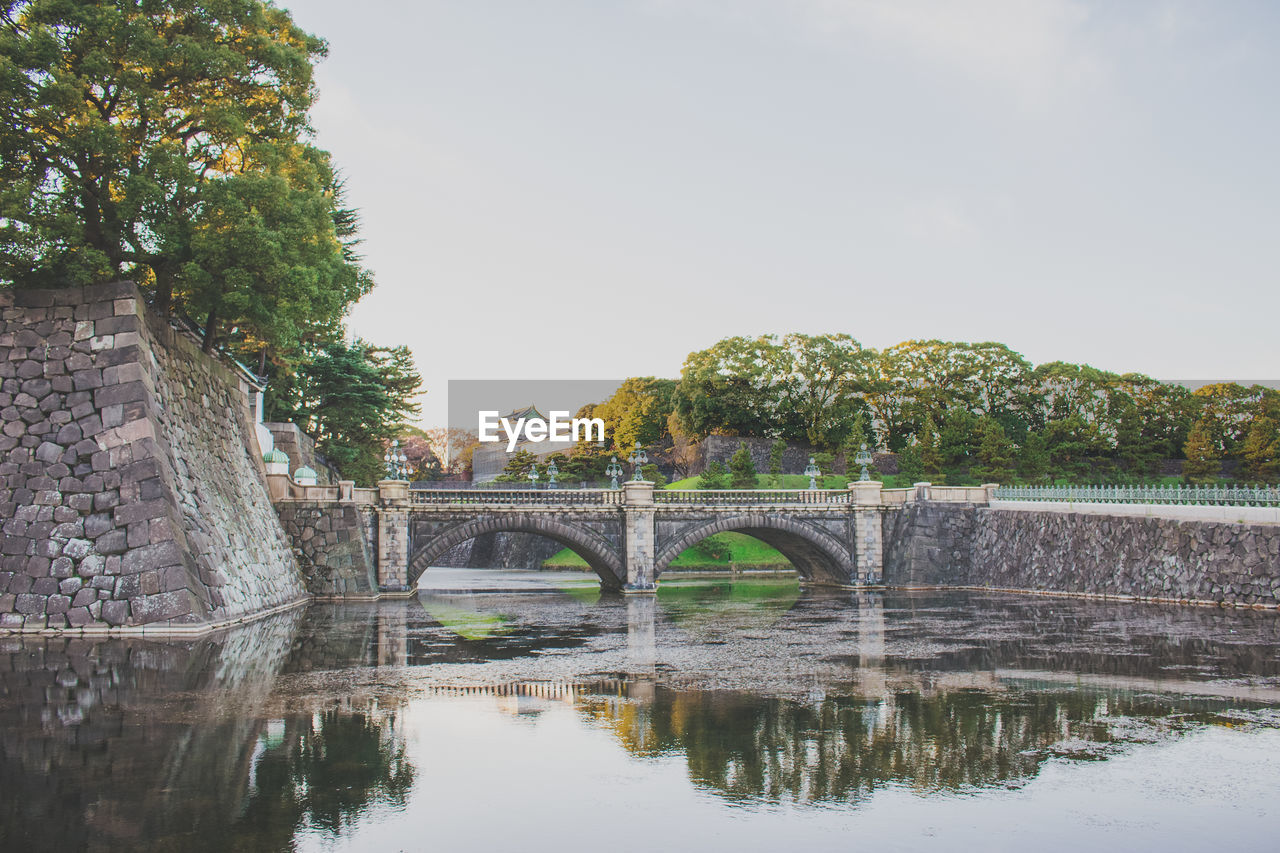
point(748, 714)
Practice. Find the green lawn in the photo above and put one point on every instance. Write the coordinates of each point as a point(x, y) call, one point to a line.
point(785, 481)
point(741, 550)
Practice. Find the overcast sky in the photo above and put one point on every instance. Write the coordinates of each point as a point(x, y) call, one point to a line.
point(595, 189)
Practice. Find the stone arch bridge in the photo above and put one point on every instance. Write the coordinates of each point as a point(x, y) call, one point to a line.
point(369, 542)
point(630, 536)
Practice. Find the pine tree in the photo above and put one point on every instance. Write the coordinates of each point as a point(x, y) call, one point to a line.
point(995, 453)
point(853, 443)
point(909, 465)
point(776, 451)
point(651, 473)
point(1033, 460)
point(742, 469)
point(1203, 463)
point(930, 454)
point(1261, 452)
point(1136, 452)
point(712, 477)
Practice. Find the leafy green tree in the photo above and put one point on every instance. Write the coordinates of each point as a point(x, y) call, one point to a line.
point(930, 378)
point(729, 388)
point(713, 476)
point(799, 387)
point(166, 142)
point(1203, 459)
point(1063, 391)
point(1261, 455)
point(1227, 412)
point(637, 412)
point(995, 451)
point(354, 399)
point(742, 469)
point(264, 255)
point(821, 379)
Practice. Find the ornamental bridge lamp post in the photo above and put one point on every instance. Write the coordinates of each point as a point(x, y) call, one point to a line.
point(613, 470)
point(811, 471)
point(395, 460)
point(864, 459)
point(638, 459)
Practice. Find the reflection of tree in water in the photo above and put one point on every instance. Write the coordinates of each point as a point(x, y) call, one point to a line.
point(327, 769)
point(169, 746)
point(841, 748)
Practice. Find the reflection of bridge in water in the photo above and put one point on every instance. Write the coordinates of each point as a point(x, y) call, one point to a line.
point(302, 716)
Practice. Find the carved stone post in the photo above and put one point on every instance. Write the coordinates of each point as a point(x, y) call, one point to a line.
point(393, 536)
point(638, 536)
point(868, 543)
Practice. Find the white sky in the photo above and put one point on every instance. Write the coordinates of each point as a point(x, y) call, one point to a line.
point(595, 189)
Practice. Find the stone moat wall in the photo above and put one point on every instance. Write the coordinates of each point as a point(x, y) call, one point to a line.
point(928, 544)
point(335, 547)
point(1122, 556)
point(128, 492)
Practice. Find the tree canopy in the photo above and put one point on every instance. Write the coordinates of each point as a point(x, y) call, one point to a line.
point(167, 141)
point(353, 399)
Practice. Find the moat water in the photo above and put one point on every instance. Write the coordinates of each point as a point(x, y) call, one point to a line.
point(526, 711)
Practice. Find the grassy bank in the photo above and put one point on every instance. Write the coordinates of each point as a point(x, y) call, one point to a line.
point(721, 552)
point(781, 481)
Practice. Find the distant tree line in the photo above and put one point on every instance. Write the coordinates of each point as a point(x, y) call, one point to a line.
point(952, 412)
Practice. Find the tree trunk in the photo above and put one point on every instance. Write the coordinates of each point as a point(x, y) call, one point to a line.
point(164, 289)
point(210, 327)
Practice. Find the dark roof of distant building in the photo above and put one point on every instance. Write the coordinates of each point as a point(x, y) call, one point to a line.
point(526, 413)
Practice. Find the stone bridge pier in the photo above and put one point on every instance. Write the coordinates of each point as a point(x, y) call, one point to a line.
point(630, 536)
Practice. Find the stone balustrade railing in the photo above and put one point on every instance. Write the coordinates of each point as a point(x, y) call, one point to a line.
point(522, 497)
point(740, 497)
point(284, 488)
point(1266, 496)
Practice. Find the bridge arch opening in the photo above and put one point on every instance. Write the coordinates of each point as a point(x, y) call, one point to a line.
point(815, 554)
point(593, 547)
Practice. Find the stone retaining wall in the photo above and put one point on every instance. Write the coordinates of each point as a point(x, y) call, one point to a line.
point(928, 544)
point(932, 544)
point(1155, 558)
point(128, 494)
point(334, 546)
